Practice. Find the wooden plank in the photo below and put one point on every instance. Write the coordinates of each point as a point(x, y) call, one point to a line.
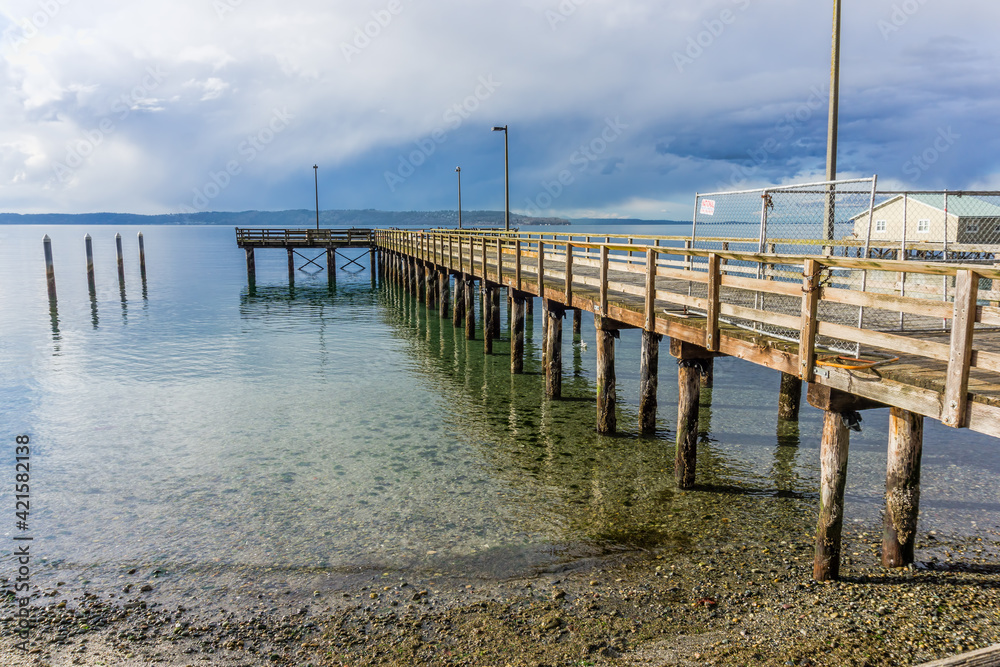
point(893, 342)
point(758, 285)
point(541, 269)
point(984, 657)
point(766, 317)
point(956, 392)
point(912, 305)
point(604, 281)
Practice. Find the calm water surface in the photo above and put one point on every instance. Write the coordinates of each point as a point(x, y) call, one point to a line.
point(195, 422)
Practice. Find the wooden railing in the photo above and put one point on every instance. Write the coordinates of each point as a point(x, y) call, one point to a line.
point(815, 302)
point(305, 236)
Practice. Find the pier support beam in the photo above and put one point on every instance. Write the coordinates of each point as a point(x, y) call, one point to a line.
point(708, 374)
point(839, 408)
point(430, 284)
point(444, 292)
point(691, 363)
point(495, 306)
point(470, 308)
point(251, 265)
point(331, 266)
point(517, 307)
point(291, 265)
point(649, 361)
point(902, 487)
point(553, 349)
point(50, 270)
point(789, 397)
point(577, 321)
point(833, 478)
point(458, 311)
point(418, 268)
point(607, 420)
point(488, 290)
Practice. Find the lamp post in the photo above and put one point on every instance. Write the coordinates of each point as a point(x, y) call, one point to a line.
point(458, 170)
point(316, 174)
point(506, 179)
point(831, 130)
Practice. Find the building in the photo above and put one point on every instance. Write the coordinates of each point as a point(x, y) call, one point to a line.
point(916, 218)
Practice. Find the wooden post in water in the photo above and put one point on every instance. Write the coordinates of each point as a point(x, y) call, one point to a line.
point(431, 286)
point(577, 321)
point(517, 332)
point(444, 291)
point(331, 266)
point(251, 266)
point(495, 307)
point(545, 330)
point(708, 373)
point(689, 392)
point(554, 312)
point(418, 268)
point(470, 308)
point(902, 487)
point(50, 269)
point(458, 310)
point(649, 360)
point(789, 397)
point(607, 420)
point(833, 478)
point(488, 316)
point(89, 245)
point(291, 265)
point(142, 259)
point(121, 261)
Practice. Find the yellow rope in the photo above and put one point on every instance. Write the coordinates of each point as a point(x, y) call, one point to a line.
point(852, 364)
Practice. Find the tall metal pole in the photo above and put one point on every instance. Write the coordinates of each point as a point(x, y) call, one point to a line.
point(316, 175)
point(831, 133)
point(458, 170)
point(506, 179)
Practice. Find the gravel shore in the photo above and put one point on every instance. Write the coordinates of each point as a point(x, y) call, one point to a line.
point(727, 605)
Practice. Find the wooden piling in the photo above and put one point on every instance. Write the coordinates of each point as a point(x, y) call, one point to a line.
point(708, 373)
point(689, 389)
point(649, 360)
point(431, 286)
point(443, 292)
point(495, 306)
point(121, 261)
point(554, 312)
point(291, 265)
point(470, 308)
point(458, 310)
point(251, 266)
point(789, 397)
point(607, 421)
point(833, 477)
point(418, 267)
point(517, 332)
point(142, 258)
point(488, 317)
point(545, 330)
point(50, 269)
point(331, 266)
point(577, 321)
point(902, 487)
point(89, 246)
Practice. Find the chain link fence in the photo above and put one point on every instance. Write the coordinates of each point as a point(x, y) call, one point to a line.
point(850, 218)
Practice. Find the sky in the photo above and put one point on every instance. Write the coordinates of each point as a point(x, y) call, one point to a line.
point(614, 108)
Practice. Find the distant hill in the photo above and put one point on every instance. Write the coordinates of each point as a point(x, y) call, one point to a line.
point(367, 218)
point(628, 221)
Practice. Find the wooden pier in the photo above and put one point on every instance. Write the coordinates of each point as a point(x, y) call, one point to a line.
point(933, 355)
point(294, 240)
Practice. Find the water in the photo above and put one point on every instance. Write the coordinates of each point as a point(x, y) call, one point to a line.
point(200, 425)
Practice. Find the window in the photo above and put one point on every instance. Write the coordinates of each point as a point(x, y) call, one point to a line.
point(972, 227)
point(923, 226)
point(880, 226)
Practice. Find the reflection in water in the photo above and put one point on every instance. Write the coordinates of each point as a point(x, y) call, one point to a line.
point(786, 456)
point(124, 303)
point(54, 323)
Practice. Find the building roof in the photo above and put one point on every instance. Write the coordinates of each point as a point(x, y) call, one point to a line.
point(962, 206)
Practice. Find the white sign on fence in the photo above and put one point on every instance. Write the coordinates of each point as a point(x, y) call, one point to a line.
point(707, 207)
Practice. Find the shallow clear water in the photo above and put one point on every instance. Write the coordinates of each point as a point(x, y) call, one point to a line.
point(198, 423)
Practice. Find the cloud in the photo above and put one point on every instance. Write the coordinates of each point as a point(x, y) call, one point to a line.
point(185, 84)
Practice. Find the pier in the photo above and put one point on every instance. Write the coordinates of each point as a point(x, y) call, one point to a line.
point(294, 240)
point(919, 338)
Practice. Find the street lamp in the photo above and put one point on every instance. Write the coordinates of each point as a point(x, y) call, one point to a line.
point(458, 170)
point(506, 180)
point(316, 175)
